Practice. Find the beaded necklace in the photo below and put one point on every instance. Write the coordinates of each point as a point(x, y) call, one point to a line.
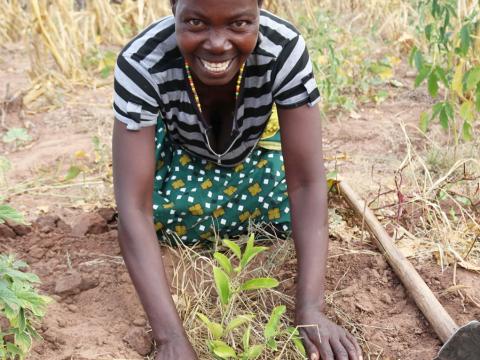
point(194, 90)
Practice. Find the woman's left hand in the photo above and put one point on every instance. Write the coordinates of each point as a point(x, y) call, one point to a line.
point(324, 339)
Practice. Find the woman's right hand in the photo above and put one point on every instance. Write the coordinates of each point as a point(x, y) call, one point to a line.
point(176, 348)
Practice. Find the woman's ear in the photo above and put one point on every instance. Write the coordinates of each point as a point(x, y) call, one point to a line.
point(173, 4)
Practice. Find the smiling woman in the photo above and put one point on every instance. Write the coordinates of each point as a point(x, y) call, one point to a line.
point(194, 95)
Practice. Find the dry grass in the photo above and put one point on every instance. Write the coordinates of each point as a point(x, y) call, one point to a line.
point(194, 292)
point(434, 208)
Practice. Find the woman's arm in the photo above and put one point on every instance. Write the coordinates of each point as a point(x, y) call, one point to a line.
point(307, 190)
point(133, 174)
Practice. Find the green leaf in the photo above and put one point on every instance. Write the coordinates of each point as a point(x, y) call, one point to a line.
point(222, 284)
point(16, 134)
point(473, 78)
point(233, 247)
point(246, 339)
point(23, 341)
point(250, 254)
point(224, 262)
point(215, 329)
point(477, 100)
point(11, 302)
point(424, 121)
point(224, 351)
point(254, 352)
point(295, 336)
point(23, 276)
point(271, 329)
point(238, 321)
point(465, 40)
point(444, 118)
point(259, 283)
point(433, 84)
point(422, 75)
point(272, 344)
point(467, 131)
point(72, 173)
point(467, 111)
point(9, 213)
point(442, 76)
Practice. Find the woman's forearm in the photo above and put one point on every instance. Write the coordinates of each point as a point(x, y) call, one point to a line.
point(310, 234)
point(143, 258)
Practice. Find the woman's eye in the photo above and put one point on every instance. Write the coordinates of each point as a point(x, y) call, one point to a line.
point(195, 22)
point(240, 23)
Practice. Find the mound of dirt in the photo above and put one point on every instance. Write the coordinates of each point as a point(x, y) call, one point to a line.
point(96, 313)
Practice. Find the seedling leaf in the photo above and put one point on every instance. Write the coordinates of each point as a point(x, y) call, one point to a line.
point(223, 285)
point(259, 283)
point(9, 213)
point(233, 247)
point(224, 351)
point(224, 262)
point(254, 352)
point(271, 329)
point(238, 321)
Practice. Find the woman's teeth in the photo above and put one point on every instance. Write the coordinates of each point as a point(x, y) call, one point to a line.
point(217, 67)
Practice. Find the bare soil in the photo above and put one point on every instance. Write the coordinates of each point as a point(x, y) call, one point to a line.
point(96, 313)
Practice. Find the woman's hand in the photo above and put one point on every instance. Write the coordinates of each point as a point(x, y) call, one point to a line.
point(176, 348)
point(323, 339)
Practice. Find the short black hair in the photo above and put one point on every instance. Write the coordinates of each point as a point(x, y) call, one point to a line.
point(172, 2)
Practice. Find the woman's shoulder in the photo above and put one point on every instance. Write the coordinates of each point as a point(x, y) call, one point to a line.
point(275, 33)
point(153, 43)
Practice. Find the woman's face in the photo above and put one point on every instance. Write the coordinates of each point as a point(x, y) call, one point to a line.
point(216, 37)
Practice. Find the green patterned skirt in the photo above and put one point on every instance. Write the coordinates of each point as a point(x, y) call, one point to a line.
point(194, 199)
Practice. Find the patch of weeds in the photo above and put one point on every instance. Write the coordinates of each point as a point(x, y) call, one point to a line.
point(17, 137)
point(347, 73)
point(21, 308)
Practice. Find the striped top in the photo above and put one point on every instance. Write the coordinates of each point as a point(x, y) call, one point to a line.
point(151, 81)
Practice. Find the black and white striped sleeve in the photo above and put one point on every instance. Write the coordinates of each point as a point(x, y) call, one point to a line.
point(136, 97)
point(294, 83)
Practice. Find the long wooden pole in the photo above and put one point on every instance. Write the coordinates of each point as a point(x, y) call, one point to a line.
point(435, 313)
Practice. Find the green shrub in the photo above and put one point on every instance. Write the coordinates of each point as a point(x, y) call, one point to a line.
point(21, 307)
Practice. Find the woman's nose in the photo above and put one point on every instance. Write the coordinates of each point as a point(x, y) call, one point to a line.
point(217, 42)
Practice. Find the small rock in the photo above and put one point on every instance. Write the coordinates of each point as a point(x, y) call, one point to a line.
point(61, 323)
point(69, 284)
point(125, 278)
point(73, 308)
point(385, 298)
point(140, 322)
point(20, 229)
point(36, 252)
point(107, 213)
point(138, 340)
point(6, 231)
point(89, 282)
point(89, 224)
point(47, 223)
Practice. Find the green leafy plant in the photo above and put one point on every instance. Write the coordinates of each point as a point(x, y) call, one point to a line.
point(450, 65)
point(230, 284)
point(21, 307)
point(17, 136)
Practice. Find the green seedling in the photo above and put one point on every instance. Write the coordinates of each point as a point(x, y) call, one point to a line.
point(17, 136)
point(21, 306)
point(230, 284)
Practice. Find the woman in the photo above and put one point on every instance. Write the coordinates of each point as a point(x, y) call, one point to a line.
point(211, 74)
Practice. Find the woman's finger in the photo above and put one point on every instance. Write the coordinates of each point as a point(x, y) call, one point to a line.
point(350, 348)
point(310, 347)
point(354, 341)
point(326, 352)
point(338, 349)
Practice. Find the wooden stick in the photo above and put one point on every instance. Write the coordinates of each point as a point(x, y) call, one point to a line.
point(437, 316)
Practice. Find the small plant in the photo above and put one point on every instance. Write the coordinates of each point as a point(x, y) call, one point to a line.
point(450, 60)
point(17, 136)
point(230, 284)
point(21, 307)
